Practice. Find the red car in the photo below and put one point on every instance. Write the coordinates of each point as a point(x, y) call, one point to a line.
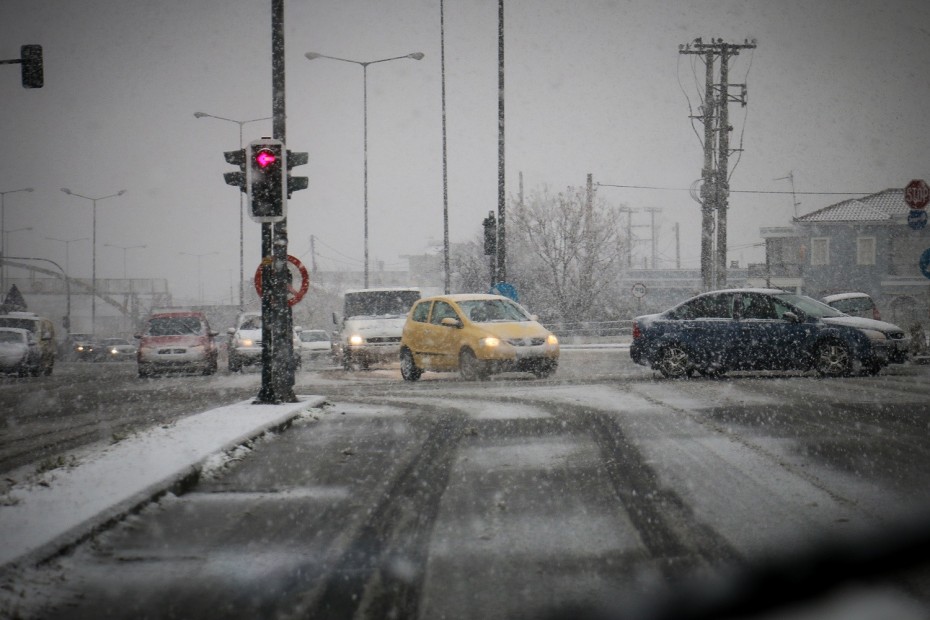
point(177, 341)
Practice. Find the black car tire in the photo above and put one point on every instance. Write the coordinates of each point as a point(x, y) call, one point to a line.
point(470, 367)
point(674, 362)
point(832, 359)
point(408, 367)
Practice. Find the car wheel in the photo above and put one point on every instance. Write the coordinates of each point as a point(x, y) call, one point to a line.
point(470, 367)
point(832, 359)
point(408, 367)
point(674, 363)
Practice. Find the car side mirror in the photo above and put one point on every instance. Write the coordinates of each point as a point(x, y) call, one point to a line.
point(791, 317)
point(137, 336)
point(450, 322)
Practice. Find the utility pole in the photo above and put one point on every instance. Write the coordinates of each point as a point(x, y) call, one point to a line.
point(629, 234)
point(501, 194)
point(677, 247)
point(652, 228)
point(715, 188)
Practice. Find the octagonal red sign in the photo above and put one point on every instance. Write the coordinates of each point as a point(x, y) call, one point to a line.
point(917, 194)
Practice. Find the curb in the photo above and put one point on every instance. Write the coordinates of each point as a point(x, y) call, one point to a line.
point(53, 519)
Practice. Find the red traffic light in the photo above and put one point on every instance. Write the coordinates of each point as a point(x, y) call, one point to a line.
point(265, 158)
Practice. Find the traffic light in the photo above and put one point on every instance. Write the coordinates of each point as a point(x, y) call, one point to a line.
point(236, 158)
point(33, 72)
point(295, 184)
point(266, 180)
point(490, 234)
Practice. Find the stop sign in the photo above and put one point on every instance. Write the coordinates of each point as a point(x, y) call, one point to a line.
point(917, 194)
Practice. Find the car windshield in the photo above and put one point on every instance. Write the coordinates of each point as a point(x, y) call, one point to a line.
point(379, 303)
point(10, 337)
point(313, 336)
point(489, 311)
point(809, 306)
point(252, 322)
point(174, 326)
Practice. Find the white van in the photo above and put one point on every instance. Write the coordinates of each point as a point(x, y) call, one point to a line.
point(44, 332)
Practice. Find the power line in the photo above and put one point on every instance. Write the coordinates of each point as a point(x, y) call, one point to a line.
point(738, 191)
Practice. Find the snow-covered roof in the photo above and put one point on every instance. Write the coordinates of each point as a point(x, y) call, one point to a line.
point(879, 207)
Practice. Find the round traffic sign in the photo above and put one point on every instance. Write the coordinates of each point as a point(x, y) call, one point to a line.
point(917, 219)
point(917, 194)
point(639, 290)
point(294, 295)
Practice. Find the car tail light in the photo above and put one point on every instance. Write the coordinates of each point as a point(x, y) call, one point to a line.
point(636, 332)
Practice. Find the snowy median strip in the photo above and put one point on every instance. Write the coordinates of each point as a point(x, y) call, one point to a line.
point(70, 503)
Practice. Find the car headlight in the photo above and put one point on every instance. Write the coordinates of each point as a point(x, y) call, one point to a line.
point(356, 340)
point(874, 335)
point(551, 339)
point(489, 341)
point(246, 342)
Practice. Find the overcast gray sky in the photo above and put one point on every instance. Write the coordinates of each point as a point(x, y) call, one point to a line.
point(838, 93)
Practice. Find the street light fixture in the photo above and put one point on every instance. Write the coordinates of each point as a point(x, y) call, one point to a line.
point(241, 205)
point(124, 248)
point(199, 281)
point(3, 248)
point(93, 276)
point(364, 66)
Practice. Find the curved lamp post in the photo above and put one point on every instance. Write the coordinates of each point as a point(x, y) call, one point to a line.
point(93, 276)
point(3, 248)
point(241, 208)
point(364, 66)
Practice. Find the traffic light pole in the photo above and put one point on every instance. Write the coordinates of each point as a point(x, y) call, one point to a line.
point(277, 321)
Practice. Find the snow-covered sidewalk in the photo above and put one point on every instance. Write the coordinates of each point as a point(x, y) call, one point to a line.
point(67, 504)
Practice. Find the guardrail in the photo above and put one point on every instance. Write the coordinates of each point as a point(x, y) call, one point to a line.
point(593, 331)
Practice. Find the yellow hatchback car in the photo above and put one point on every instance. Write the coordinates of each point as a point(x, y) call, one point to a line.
point(477, 335)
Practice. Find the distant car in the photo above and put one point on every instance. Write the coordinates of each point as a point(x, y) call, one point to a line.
point(245, 341)
point(116, 350)
point(19, 352)
point(854, 304)
point(315, 345)
point(176, 341)
point(762, 329)
point(83, 348)
point(476, 335)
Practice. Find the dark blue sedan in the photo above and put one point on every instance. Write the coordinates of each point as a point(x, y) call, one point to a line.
point(763, 329)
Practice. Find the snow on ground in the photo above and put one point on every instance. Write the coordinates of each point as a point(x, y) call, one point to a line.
point(64, 505)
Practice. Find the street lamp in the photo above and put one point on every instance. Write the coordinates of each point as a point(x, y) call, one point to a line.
point(241, 207)
point(364, 66)
point(93, 275)
point(199, 281)
point(3, 248)
point(68, 243)
point(124, 248)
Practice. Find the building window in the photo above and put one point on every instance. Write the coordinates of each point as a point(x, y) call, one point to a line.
point(820, 251)
point(865, 251)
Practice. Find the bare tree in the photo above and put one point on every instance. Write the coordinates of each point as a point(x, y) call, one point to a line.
point(565, 253)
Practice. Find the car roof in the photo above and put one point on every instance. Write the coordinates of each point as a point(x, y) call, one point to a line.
point(178, 314)
point(839, 296)
point(457, 297)
point(19, 330)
